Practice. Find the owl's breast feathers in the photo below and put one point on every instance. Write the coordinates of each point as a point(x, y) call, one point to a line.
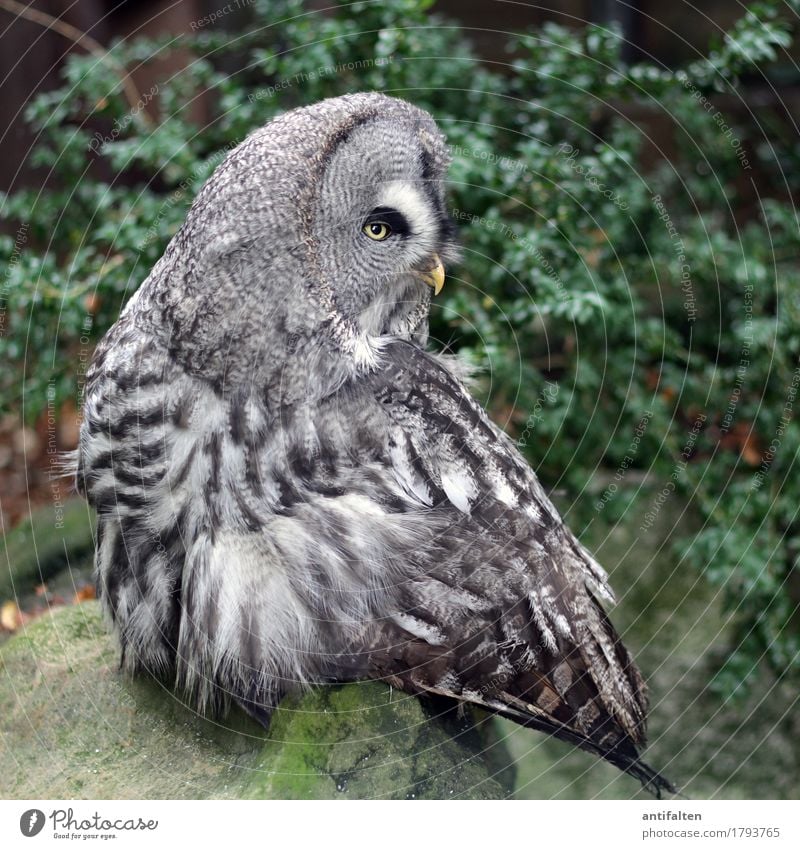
point(390, 530)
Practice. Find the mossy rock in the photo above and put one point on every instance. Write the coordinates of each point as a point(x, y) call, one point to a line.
point(52, 539)
point(73, 726)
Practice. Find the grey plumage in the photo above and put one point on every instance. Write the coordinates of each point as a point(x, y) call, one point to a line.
point(291, 490)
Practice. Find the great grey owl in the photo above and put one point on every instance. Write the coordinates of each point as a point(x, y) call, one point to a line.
point(291, 490)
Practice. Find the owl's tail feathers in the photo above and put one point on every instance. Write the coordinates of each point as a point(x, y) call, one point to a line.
point(261, 713)
point(622, 753)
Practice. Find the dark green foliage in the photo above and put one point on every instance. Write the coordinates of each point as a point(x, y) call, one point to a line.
point(632, 310)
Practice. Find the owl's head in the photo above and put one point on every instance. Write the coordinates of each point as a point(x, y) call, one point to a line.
point(325, 229)
point(378, 224)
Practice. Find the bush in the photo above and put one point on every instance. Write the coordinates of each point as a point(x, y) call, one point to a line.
point(630, 316)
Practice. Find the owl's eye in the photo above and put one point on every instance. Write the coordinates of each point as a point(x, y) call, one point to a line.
point(377, 230)
point(383, 222)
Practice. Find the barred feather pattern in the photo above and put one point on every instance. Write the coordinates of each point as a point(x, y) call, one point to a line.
point(339, 507)
point(390, 530)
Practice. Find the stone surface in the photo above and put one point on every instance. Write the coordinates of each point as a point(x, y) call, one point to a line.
point(53, 539)
point(72, 726)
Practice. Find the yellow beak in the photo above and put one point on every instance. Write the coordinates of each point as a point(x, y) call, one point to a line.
point(433, 275)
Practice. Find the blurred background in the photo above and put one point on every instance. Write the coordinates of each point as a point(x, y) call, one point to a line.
point(624, 178)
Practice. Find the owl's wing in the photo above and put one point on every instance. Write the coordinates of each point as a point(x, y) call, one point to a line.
point(501, 611)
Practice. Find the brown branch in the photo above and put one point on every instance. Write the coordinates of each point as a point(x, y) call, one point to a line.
point(84, 40)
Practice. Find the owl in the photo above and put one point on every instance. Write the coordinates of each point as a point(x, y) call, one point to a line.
point(292, 490)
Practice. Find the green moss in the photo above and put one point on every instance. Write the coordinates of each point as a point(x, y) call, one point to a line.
point(81, 729)
point(371, 742)
point(50, 540)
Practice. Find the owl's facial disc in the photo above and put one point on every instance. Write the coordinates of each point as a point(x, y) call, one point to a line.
point(404, 213)
point(380, 224)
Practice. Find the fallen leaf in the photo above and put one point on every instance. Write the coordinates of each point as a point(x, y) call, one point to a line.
point(86, 593)
point(10, 618)
point(592, 257)
point(92, 303)
point(750, 446)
